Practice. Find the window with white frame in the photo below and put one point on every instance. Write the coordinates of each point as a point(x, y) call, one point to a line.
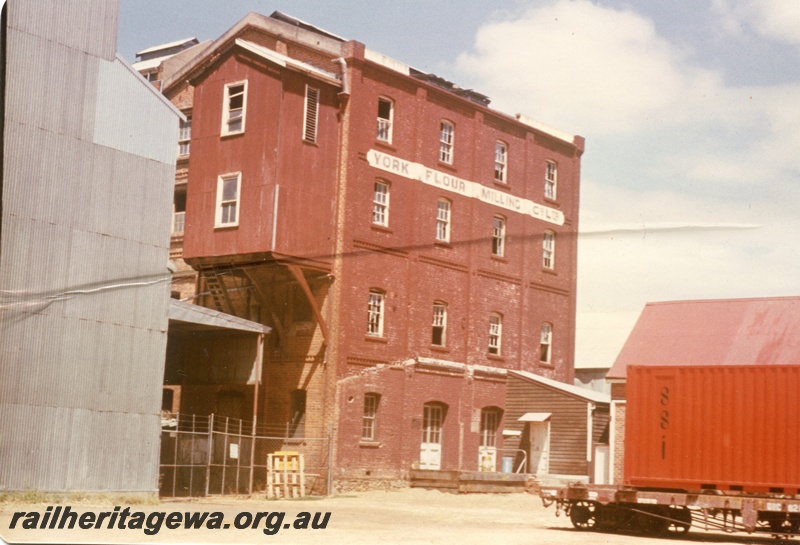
point(385, 118)
point(229, 188)
point(500, 161)
point(185, 136)
point(549, 250)
point(375, 313)
point(439, 330)
point(233, 108)
point(546, 343)
point(179, 212)
point(380, 204)
point(443, 220)
point(550, 180)
point(490, 421)
point(498, 235)
point(446, 135)
point(495, 333)
point(311, 114)
point(370, 414)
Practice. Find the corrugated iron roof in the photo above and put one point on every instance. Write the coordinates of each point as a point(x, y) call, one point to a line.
point(169, 45)
point(188, 313)
point(577, 391)
point(760, 331)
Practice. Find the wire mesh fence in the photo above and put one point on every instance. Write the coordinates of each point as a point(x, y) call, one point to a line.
point(216, 455)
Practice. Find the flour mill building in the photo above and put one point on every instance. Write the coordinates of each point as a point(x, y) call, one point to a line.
point(406, 244)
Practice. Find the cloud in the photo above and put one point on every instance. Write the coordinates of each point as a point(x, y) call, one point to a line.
point(585, 68)
point(669, 144)
point(775, 19)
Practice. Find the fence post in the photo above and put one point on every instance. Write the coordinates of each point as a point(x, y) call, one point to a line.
point(330, 457)
point(210, 449)
point(252, 455)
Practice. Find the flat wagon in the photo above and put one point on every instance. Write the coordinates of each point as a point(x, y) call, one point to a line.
point(714, 446)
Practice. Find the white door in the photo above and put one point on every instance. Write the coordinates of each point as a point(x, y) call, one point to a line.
point(601, 464)
point(540, 448)
point(487, 452)
point(430, 456)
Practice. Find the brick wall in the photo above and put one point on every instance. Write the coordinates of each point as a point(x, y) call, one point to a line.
point(618, 462)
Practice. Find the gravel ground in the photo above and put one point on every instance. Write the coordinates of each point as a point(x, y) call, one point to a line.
point(407, 516)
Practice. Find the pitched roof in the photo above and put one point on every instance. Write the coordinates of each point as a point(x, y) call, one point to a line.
point(575, 391)
point(714, 332)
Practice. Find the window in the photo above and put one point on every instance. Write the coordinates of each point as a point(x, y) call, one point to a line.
point(151, 76)
point(228, 189)
point(368, 421)
point(179, 213)
point(234, 108)
point(498, 235)
point(446, 131)
point(297, 421)
point(549, 250)
point(439, 324)
point(385, 117)
point(546, 343)
point(380, 204)
point(184, 136)
point(490, 420)
point(312, 106)
point(443, 220)
point(500, 161)
point(375, 314)
point(495, 333)
point(550, 180)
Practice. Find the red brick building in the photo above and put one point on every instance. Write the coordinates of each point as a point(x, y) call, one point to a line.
point(406, 243)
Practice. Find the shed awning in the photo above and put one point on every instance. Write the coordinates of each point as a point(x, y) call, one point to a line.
point(192, 316)
point(534, 417)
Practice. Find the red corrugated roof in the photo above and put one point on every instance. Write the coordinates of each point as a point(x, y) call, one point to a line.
point(714, 332)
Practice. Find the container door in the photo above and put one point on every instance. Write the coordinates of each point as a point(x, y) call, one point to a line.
point(540, 448)
point(430, 456)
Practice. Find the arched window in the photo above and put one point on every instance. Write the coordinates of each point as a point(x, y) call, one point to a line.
point(500, 161)
point(498, 236)
point(375, 313)
point(380, 203)
point(439, 327)
point(546, 343)
point(446, 138)
point(369, 419)
point(385, 119)
point(549, 250)
point(495, 333)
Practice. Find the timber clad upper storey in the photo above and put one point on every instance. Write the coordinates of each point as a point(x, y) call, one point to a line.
point(417, 224)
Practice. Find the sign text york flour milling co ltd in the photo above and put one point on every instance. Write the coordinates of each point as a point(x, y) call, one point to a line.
point(448, 182)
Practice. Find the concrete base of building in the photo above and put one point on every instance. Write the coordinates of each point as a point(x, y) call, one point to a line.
point(361, 480)
point(72, 496)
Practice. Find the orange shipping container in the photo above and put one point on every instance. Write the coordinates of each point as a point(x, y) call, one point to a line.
point(732, 427)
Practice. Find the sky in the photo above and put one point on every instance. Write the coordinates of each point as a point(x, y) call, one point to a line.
point(690, 183)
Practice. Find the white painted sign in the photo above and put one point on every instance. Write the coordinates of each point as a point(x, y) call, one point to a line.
point(454, 184)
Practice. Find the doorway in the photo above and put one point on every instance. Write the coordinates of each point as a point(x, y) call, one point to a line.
point(430, 456)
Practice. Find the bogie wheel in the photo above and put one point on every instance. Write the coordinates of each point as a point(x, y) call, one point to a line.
point(681, 520)
point(583, 515)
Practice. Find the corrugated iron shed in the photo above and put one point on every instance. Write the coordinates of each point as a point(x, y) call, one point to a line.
point(89, 161)
point(569, 389)
point(761, 331)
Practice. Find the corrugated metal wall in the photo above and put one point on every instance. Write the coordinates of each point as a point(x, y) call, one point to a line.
point(567, 423)
point(84, 285)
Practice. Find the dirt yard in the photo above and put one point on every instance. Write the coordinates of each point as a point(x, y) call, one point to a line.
point(409, 516)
